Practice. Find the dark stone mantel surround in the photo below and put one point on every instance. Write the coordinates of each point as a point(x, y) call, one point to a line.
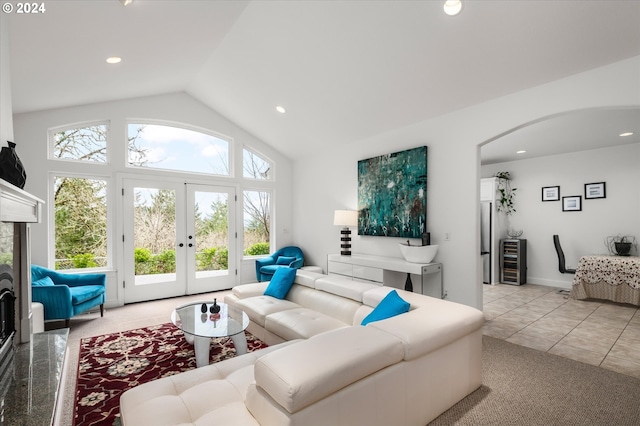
point(35, 380)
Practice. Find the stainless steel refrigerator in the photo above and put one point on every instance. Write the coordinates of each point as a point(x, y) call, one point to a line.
point(485, 241)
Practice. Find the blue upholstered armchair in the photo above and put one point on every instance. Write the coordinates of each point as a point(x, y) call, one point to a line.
point(286, 257)
point(66, 295)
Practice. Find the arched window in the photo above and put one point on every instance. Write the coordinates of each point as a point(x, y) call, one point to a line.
point(174, 148)
point(255, 166)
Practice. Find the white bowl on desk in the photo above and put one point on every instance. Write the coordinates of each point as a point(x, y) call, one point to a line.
point(418, 254)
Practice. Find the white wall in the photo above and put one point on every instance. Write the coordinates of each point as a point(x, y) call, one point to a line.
point(6, 107)
point(31, 133)
point(582, 232)
point(325, 181)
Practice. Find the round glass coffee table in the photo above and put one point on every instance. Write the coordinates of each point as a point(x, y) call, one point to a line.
point(199, 323)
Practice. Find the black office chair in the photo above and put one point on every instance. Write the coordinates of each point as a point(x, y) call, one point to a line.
point(561, 265)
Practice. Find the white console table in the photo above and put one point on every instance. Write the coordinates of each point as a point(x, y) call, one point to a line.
point(364, 267)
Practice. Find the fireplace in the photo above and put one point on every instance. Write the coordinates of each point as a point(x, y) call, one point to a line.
point(7, 298)
point(18, 355)
point(18, 209)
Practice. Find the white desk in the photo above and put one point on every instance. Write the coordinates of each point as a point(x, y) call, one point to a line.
point(364, 267)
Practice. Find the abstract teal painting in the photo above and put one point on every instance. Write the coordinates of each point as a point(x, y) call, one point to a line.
point(392, 194)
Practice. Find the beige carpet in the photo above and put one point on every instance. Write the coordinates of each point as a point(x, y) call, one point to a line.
point(523, 386)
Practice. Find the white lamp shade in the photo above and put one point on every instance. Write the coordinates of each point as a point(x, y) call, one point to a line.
point(345, 218)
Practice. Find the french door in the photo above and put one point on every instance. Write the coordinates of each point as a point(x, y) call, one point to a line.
point(179, 238)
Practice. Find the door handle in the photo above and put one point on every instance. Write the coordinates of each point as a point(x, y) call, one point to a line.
point(181, 245)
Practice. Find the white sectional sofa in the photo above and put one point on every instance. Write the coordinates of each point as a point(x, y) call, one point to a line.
point(322, 367)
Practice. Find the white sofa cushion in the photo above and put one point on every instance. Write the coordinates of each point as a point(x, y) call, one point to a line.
point(340, 308)
point(213, 394)
point(249, 290)
point(344, 287)
point(258, 307)
point(342, 357)
point(300, 323)
point(307, 278)
point(436, 324)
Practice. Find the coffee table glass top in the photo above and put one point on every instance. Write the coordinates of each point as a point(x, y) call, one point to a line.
point(190, 319)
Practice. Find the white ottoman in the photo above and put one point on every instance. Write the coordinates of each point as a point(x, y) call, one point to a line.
point(312, 269)
point(37, 317)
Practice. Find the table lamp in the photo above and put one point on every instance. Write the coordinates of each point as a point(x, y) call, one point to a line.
point(345, 218)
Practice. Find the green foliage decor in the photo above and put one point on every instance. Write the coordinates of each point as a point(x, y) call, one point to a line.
point(149, 264)
point(6, 258)
point(223, 258)
point(505, 204)
point(142, 255)
point(85, 260)
point(258, 249)
point(206, 259)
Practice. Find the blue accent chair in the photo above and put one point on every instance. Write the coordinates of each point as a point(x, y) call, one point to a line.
point(286, 257)
point(66, 295)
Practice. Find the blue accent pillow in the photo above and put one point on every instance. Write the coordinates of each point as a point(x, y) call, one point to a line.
point(44, 281)
point(390, 306)
point(280, 283)
point(285, 260)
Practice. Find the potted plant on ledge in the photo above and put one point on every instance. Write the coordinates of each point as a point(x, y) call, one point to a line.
point(505, 203)
point(621, 245)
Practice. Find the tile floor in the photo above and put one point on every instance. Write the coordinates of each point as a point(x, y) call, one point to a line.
point(600, 333)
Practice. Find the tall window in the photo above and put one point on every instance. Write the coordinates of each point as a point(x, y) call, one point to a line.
point(257, 205)
point(80, 203)
point(257, 222)
point(174, 148)
point(80, 206)
point(87, 143)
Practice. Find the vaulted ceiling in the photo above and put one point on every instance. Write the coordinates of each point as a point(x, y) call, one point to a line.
point(344, 70)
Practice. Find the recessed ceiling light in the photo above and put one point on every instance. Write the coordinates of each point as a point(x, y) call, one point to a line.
point(626, 134)
point(281, 109)
point(114, 60)
point(452, 7)
point(522, 151)
point(126, 2)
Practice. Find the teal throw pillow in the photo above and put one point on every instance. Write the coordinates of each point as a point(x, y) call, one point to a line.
point(44, 281)
point(390, 306)
point(285, 260)
point(280, 283)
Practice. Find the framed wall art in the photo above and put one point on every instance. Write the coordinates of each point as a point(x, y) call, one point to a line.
point(572, 203)
point(550, 193)
point(392, 194)
point(595, 190)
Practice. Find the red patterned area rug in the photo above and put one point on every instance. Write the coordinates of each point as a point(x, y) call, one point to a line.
point(110, 364)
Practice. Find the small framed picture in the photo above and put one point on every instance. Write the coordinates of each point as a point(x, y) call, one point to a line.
point(595, 190)
point(572, 203)
point(550, 193)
